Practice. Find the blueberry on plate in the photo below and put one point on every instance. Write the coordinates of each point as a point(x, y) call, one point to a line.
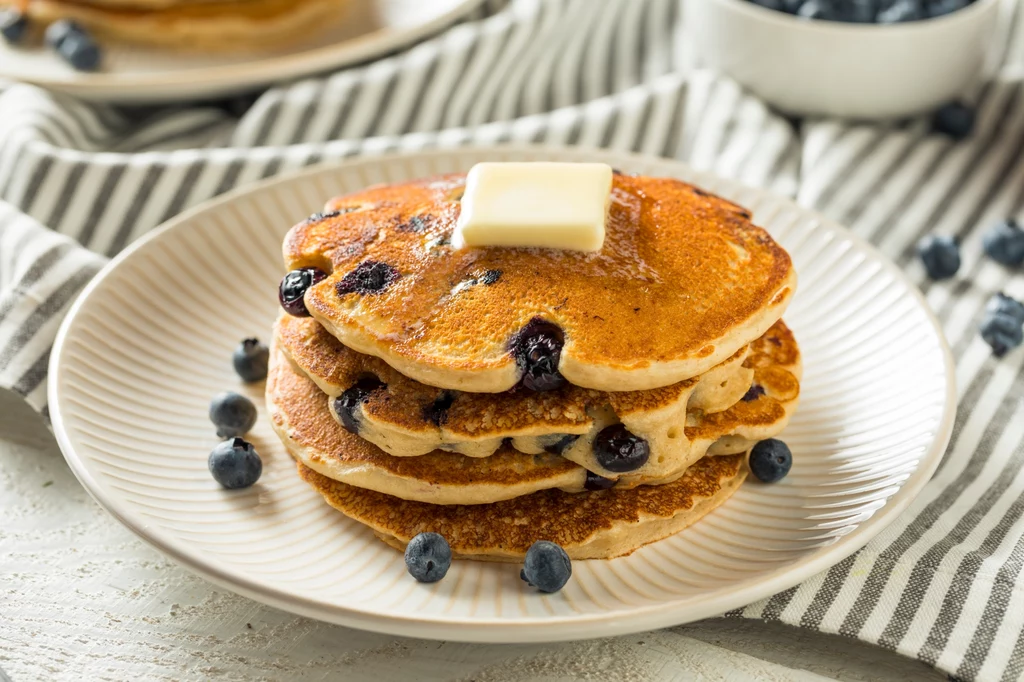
point(1004, 243)
point(59, 30)
point(233, 414)
point(74, 44)
point(955, 119)
point(940, 255)
point(1002, 332)
point(235, 464)
point(619, 450)
point(547, 567)
point(251, 359)
point(81, 52)
point(428, 557)
point(770, 460)
point(1001, 304)
point(13, 25)
point(292, 290)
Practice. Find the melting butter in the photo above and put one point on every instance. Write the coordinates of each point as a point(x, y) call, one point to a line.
point(546, 205)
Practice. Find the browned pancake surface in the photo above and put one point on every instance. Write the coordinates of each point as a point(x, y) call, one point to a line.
point(301, 408)
point(508, 528)
point(684, 278)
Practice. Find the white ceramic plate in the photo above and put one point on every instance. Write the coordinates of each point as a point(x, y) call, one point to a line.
point(149, 343)
point(133, 73)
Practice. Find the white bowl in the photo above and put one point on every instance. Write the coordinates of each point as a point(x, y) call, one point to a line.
point(868, 71)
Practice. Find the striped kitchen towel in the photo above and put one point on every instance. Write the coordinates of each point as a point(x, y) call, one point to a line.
point(943, 584)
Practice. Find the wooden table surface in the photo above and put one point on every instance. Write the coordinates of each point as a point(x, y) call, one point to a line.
point(84, 599)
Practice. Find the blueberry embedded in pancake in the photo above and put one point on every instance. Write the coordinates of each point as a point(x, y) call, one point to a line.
point(684, 280)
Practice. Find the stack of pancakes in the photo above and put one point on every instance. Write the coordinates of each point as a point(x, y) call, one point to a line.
point(402, 396)
point(201, 24)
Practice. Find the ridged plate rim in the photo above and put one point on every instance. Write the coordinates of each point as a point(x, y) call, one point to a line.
point(496, 630)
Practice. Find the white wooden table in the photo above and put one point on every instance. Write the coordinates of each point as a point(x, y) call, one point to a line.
point(81, 598)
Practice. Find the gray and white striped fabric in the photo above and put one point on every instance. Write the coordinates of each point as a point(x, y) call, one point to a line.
point(943, 584)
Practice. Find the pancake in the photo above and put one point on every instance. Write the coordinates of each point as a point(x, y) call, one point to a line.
point(209, 25)
point(762, 413)
point(301, 419)
point(407, 418)
point(683, 282)
point(593, 525)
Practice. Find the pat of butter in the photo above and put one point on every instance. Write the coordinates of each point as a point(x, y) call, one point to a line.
point(547, 205)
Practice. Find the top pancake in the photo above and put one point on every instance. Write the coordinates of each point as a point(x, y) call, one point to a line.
point(683, 281)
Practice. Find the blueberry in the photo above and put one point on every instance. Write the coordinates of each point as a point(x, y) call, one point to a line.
point(491, 277)
point(770, 460)
point(235, 464)
point(776, 5)
point(292, 290)
point(437, 411)
point(80, 51)
point(595, 482)
point(369, 277)
point(537, 348)
point(955, 119)
point(619, 450)
point(547, 566)
point(561, 444)
point(59, 30)
point(233, 414)
point(13, 25)
point(940, 255)
point(1004, 243)
point(251, 359)
point(428, 557)
point(753, 393)
point(1002, 304)
point(345, 405)
point(1002, 332)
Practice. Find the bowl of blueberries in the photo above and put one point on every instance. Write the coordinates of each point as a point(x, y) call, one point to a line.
point(863, 59)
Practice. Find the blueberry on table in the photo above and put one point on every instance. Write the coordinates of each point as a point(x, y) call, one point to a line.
point(1002, 332)
point(770, 460)
point(235, 464)
point(547, 567)
point(955, 119)
point(428, 557)
point(250, 360)
point(940, 255)
point(292, 290)
point(938, 8)
point(1001, 304)
point(13, 25)
point(233, 414)
point(815, 9)
point(1004, 243)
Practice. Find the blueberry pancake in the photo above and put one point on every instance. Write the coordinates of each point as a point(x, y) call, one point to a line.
point(593, 525)
point(684, 281)
point(407, 418)
point(305, 421)
point(210, 25)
